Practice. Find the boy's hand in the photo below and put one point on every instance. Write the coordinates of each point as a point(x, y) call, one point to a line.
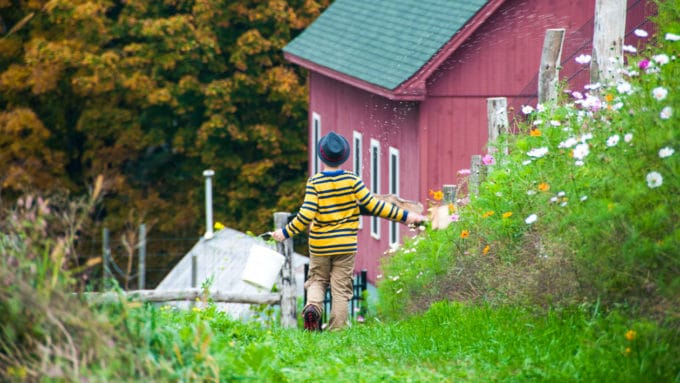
point(278, 235)
point(415, 218)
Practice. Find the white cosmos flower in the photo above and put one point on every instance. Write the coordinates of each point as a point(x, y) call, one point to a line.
point(628, 137)
point(666, 113)
point(531, 219)
point(568, 143)
point(624, 87)
point(537, 152)
point(578, 163)
point(540, 107)
point(527, 109)
point(596, 85)
point(640, 33)
point(654, 180)
point(666, 152)
point(581, 151)
point(613, 140)
point(629, 49)
point(555, 123)
point(661, 59)
point(583, 59)
point(659, 93)
point(672, 37)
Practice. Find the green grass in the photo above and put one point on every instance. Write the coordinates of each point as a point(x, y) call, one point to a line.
point(450, 342)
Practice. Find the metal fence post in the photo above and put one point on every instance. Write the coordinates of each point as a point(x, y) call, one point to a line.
point(106, 254)
point(142, 256)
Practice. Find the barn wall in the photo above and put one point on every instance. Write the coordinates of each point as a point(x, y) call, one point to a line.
point(344, 109)
point(501, 59)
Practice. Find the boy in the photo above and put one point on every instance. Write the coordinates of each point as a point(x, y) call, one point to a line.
point(331, 208)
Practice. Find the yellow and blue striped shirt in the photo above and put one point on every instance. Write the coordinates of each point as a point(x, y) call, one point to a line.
point(331, 209)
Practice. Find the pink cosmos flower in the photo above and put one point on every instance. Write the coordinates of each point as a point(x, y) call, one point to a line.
point(643, 64)
point(488, 160)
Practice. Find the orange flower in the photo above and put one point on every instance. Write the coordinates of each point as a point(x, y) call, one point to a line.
point(438, 195)
point(507, 214)
point(608, 97)
point(631, 335)
point(543, 186)
point(486, 249)
point(535, 133)
point(464, 234)
point(488, 214)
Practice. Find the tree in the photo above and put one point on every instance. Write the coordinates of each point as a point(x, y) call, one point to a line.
point(149, 94)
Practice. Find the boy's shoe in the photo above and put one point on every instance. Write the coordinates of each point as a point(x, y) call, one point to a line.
point(312, 318)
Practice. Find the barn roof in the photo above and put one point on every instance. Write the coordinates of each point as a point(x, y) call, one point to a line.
point(381, 42)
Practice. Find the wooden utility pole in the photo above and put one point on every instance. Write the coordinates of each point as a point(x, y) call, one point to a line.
point(288, 288)
point(610, 29)
point(548, 73)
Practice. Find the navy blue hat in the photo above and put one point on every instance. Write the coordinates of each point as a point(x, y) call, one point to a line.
point(333, 149)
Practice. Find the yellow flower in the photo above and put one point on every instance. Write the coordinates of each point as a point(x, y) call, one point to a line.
point(219, 226)
point(627, 351)
point(196, 309)
point(452, 208)
point(464, 234)
point(438, 195)
point(608, 97)
point(507, 214)
point(543, 186)
point(488, 214)
point(535, 133)
point(486, 249)
point(630, 335)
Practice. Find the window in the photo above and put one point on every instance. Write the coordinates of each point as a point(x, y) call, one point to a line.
point(375, 184)
point(394, 189)
point(358, 161)
point(316, 136)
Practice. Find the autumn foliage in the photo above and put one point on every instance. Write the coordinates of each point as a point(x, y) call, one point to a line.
point(149, 94)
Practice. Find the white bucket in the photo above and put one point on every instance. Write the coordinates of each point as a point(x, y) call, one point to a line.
point(263, 267)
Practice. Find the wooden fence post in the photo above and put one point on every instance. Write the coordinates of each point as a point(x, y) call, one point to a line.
point(475, 174)
point(497, 115)
point(288, 288)
point(548, 73)
point(450, 193)
point(608, 34)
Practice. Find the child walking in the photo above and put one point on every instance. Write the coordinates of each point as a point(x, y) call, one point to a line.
point(331, 209)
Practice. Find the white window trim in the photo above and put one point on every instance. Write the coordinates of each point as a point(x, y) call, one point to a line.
point(375, 183)
point(394, 180)
point(316, 136)
point(357, 161)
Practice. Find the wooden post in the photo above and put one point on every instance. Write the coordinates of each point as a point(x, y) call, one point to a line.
point(450, 193)
point(548, 74)
point(608, 34)
point(475, 174)
point(288, 288)
point(142, 256)
point(497, 116)
point(106, 254)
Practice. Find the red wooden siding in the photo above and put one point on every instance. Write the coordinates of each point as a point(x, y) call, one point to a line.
point(437, 136)
point(344, 109)
point(501, 59)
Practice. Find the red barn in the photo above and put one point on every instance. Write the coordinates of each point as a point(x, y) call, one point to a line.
point(407, 82)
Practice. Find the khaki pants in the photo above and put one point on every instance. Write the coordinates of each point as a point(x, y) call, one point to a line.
point(336, 270)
